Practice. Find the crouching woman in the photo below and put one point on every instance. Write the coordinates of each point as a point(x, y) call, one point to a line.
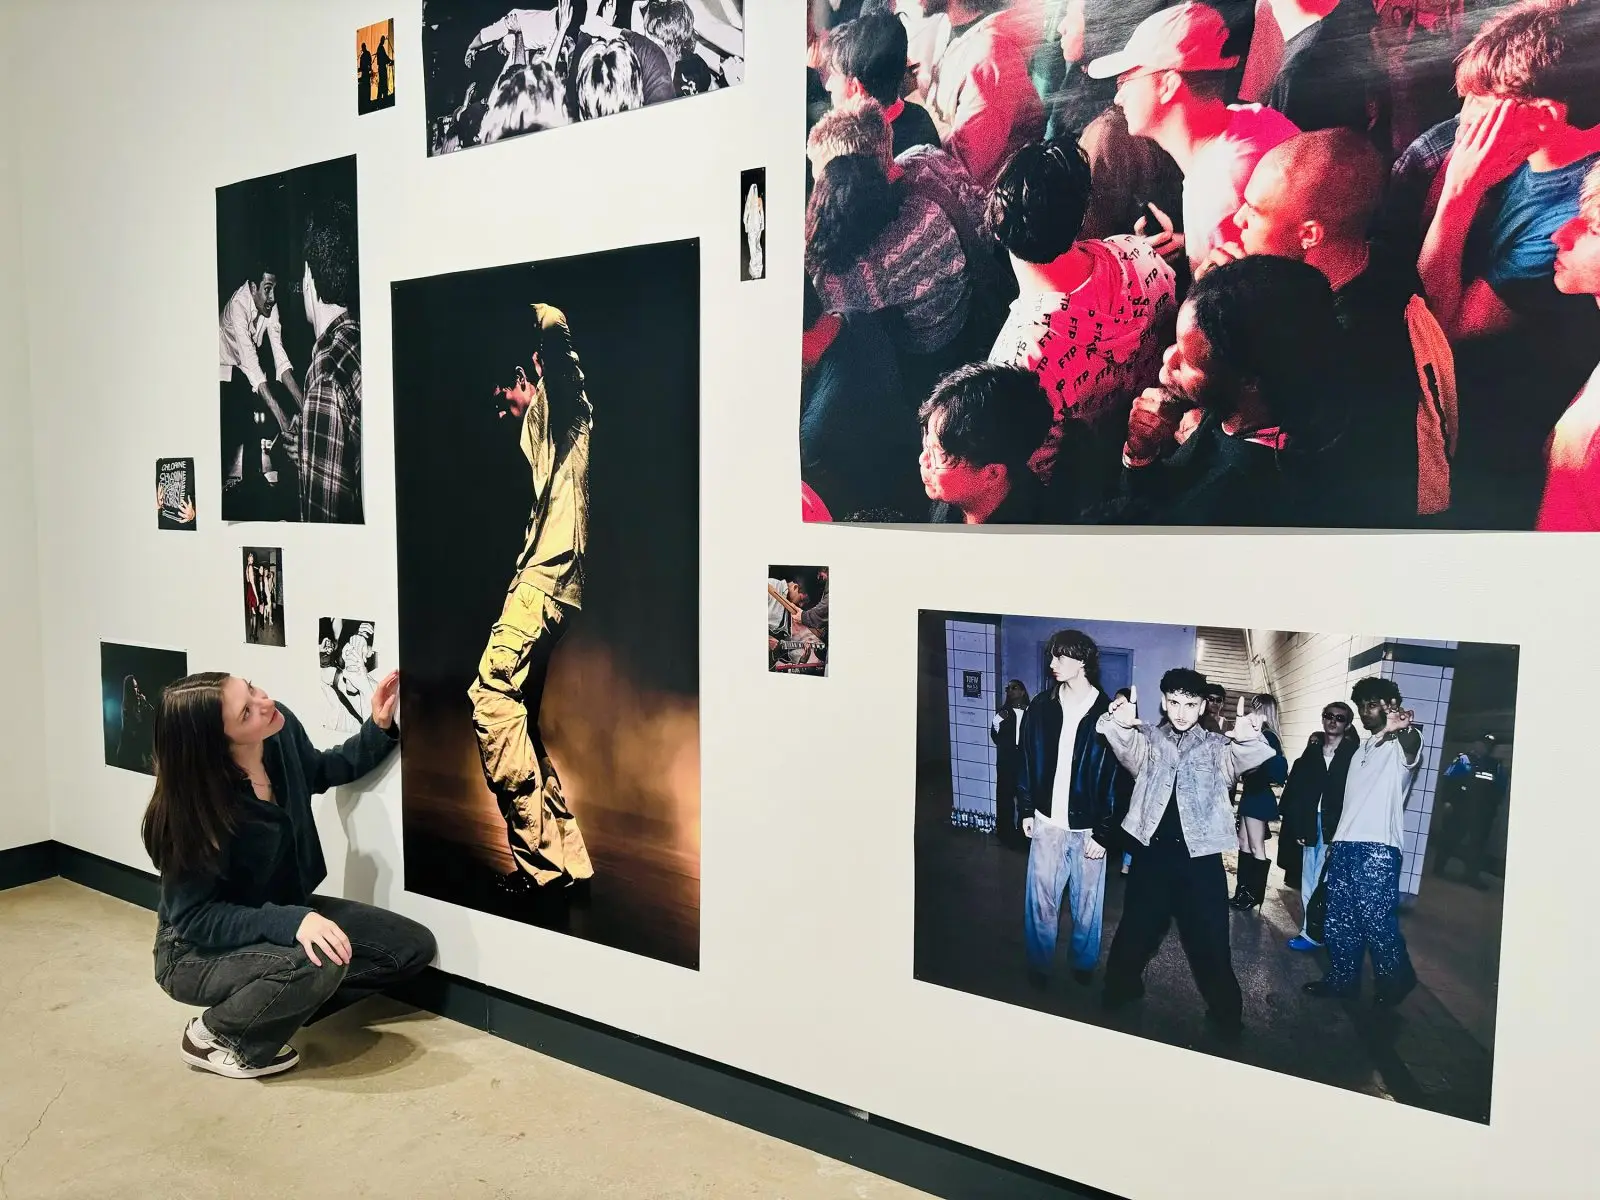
point(231, 831)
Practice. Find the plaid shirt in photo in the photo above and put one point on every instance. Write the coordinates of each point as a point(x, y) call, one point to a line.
point(330, 427)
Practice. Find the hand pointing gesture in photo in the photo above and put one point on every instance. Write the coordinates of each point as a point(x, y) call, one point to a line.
point(1246, 725)
point(385, 700)
point(1124, 712)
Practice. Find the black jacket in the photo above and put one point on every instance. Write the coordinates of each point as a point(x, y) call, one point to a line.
point(1212, 479)
point(1311, 779)
point(1100, 785)
point(1007, 749)
point(263, 891)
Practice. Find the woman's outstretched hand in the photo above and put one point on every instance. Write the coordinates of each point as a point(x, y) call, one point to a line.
point(316, 930)
point(385, 700)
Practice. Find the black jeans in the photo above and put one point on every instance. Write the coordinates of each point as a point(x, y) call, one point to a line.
point(258, 995)
point(1165, 883)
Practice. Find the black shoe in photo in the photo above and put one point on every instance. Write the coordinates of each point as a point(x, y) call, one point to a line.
point(1229, 1028)
point(1323, 989)
point(1116, 996)
point(1387, 996)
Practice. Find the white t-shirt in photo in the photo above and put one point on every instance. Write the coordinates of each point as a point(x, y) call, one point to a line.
point(1213, 187)
point(1375, 793)
point(1073, 710)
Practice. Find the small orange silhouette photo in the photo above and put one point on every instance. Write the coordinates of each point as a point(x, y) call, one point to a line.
point(375, 67)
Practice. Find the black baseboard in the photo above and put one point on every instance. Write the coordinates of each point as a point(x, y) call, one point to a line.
point(920, 1160)
point(27, 864)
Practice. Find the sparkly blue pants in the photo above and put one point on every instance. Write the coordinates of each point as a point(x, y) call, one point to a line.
point(1364, 913)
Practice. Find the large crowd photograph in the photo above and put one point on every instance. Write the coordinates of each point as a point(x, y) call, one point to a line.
point(1294, 803)
point(494, 72)
point(547, 447)
point(1287, 263)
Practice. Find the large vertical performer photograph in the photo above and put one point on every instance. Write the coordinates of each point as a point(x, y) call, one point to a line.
point(1256, 263)
point(547, 445)
point(494, 71)
point(1200, 835)
point(289, 346)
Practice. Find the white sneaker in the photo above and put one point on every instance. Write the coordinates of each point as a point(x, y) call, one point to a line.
point(200, 1049)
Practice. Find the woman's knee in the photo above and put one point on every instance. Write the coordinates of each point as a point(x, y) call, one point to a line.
point(421, 948)
point(324, 978)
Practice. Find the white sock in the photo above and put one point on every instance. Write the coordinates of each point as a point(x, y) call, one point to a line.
point(203, 1035)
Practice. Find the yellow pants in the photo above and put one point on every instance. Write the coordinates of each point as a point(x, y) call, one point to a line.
point(544, 835)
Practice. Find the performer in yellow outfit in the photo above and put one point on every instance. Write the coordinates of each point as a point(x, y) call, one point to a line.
point(545, 593)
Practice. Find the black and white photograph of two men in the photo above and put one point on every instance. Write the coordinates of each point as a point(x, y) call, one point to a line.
point(289, 346)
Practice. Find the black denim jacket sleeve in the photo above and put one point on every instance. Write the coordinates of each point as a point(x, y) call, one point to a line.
point(363, 752)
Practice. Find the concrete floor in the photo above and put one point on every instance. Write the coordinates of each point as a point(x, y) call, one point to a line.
point(388, 1101)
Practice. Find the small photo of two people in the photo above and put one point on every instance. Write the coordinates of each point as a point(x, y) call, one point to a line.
point(375, 67)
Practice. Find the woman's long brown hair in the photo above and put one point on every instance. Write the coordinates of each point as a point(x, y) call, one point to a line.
point(195, 808)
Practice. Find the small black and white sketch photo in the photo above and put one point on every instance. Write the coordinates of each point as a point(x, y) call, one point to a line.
point(289, 346)
point(175, 493)
point(494, 71)
point(263, 596)
point(346, 660)
point(753, 222)
point(131, 682)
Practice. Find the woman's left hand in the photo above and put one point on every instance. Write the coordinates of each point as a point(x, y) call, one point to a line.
point(385, 700)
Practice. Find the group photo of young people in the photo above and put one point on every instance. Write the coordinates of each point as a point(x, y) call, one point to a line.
point(1294, 804)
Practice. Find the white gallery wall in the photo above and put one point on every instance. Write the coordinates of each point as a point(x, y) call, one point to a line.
point(24, 802)
point(807, 815)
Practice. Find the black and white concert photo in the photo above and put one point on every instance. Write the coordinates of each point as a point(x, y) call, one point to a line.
point(175, 493)
point(263, 596)
point(753, 224)
point(493, 71)
point(289, 346)
point(131, 682)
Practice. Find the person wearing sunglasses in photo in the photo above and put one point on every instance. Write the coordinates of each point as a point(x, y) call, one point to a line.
point(1313, 800)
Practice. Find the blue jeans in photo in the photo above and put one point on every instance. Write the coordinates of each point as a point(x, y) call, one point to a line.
point(1057, 866)
point(1311, 859)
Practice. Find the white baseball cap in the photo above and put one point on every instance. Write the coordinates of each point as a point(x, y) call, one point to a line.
point(1186, 37)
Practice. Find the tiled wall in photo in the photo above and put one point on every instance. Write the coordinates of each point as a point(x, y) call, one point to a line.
point(969, 647)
